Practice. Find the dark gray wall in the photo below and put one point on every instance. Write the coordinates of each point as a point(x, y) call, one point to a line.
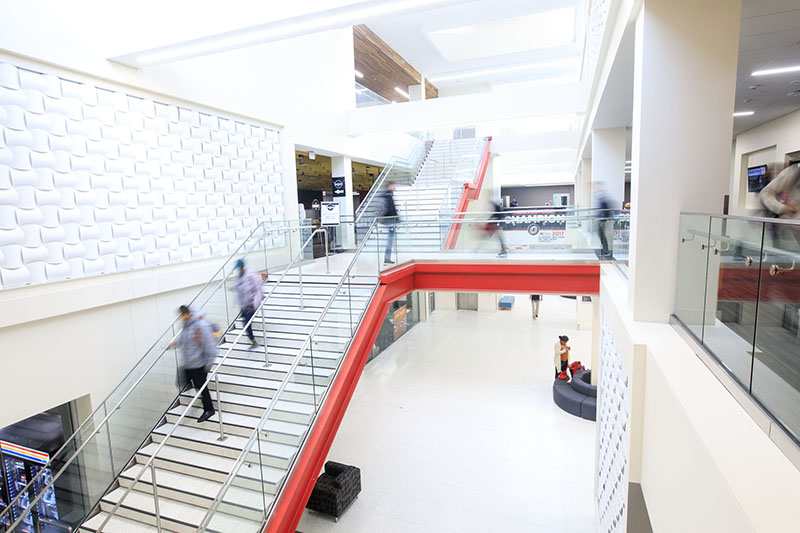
point(535, 196)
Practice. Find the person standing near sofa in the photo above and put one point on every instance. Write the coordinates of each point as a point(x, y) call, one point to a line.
point(561, 359)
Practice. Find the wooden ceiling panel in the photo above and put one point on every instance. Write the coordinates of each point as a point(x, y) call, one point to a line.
point(315, 174)
point(383, 68)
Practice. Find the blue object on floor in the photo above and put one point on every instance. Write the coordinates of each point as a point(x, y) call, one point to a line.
point(506, 302)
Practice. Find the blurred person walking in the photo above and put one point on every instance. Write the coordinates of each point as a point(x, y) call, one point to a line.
point(782, 198)
point(388, 217)
point(495, 228)
point(535, 301)
point(248, 292)
point(198, 351)
point(603, 213)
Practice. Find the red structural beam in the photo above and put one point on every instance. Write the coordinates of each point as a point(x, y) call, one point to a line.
point(394, 284)
point(471, 192)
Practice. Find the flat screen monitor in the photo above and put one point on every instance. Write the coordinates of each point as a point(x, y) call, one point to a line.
point(757, 178)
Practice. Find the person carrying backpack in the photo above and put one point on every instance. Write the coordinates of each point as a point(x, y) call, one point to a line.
point(388, 217)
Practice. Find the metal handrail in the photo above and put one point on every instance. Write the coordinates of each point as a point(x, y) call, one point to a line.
point(769, 220)
point(276, 397)
point(273, 402)
point(378, 185)
point(451, 181)
point(212, 375)
point(110, 413)
point(103, 404)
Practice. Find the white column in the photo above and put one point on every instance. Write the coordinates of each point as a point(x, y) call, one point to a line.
point(608, 162)
point(341, 166)
point(683, 97)
point(585, 199)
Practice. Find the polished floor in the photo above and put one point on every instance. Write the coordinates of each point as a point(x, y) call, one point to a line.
point(455, 430)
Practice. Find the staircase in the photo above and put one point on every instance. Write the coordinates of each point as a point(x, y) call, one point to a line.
point(435, 191)
point(193, 464)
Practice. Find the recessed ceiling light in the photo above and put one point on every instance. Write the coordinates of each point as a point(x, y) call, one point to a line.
point(358, 74)
point(398, 90)
point(783, 70)
point(743, 113)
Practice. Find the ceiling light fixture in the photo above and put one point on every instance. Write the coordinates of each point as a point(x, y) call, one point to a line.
point(491, 71)
point(401, 91)
point(323, 20)
point(358, 74)
point(783, 70)
point(743, 113)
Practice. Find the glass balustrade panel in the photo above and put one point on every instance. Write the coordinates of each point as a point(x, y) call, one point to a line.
point(776, 367)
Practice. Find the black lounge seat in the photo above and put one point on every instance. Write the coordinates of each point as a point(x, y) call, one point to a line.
point(335, 489)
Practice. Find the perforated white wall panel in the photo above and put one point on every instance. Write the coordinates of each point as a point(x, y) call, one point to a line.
point(598, 20)
point(614, 431)
point(94, 181)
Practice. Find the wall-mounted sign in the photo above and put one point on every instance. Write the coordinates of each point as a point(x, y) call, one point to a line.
point(330, 214)
point(400, 323)
point(338, 187)
point(315, 204)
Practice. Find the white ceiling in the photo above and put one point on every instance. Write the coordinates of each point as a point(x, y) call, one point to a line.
point(769, 38)
point(417, 37)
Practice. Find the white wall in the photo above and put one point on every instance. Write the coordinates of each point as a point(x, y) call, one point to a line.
point(304, 83)
point(766, 144)
point(81, 337)
point(694, 448)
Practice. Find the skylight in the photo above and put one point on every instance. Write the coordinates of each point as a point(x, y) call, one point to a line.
point(507, 36)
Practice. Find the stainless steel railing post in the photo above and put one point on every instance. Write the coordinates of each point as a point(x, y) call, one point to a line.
point(155, 496)
point(327, 259)
point(300, 275)
point(222, 436)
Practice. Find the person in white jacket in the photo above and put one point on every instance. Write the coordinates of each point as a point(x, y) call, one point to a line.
point(561, 359)
point(782, 196)
point(248, 292)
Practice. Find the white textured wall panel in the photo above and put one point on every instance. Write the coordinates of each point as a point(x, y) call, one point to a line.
point(614, 434)
point(94, 181)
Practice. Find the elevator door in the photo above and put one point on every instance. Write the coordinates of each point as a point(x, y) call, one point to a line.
point(467, 300)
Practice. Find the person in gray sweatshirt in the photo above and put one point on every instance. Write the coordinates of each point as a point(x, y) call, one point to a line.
point(198, 350)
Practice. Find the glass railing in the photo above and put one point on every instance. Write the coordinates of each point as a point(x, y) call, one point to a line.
point(738, 293)
point(399, 170)
point(249, 493)
point(84, 468)
point(464, 172)
point(368, 98)
point(246, 497)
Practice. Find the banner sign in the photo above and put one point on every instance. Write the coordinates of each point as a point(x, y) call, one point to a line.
point(329, 215)
point(338, 187)
point(541, 228)
point(23, 452)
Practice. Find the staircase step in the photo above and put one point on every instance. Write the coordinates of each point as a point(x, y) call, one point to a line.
point(117, 524)
point(175, 516)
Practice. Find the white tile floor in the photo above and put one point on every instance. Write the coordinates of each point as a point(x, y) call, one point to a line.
point(454, 429)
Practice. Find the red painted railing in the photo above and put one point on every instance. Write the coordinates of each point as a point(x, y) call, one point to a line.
point(394, 284)
point(471, 192)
